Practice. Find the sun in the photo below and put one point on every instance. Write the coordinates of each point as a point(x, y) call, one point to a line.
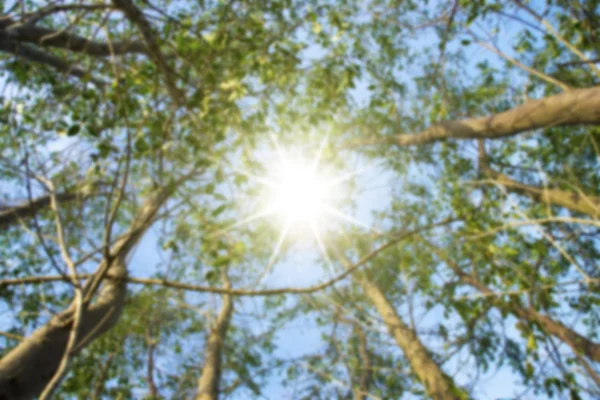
point(299, 193)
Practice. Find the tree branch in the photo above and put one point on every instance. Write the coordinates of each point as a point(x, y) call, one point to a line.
point(574, 107)
point(77, 296)
point(27, 368)
point(578, 343)
point(229, 291)
point(34, 17)
point(64, 40)
point(437, 384)
point(12, 215)
point(138, 19)
point(32, 54)
point(573, 201)
point(210, 378)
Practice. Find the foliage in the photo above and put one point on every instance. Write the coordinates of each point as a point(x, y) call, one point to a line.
point(485, 267)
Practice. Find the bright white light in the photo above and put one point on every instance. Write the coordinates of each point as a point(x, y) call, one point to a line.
point(299, 193)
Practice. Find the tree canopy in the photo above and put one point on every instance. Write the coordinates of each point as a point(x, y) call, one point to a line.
point(300, 199)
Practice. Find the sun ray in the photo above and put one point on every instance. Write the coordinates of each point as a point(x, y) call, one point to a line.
point(315, 163)
point(321, 244)
point(348, 176)
point(277, 248)
point(333, 211)
point(264, 213)
point(259, 179)
point(279, 151)
point(275, 254)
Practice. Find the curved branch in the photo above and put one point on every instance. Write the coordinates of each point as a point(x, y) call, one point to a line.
point(230, 291)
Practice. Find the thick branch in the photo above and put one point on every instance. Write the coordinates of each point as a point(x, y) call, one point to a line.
point(137, 18)
point(436, 383)
point(32, 54)
point(571, 200)
point(27, 368)
point(11, 215)
point(574, 201)
point(574, 107)
point(68, 41)
point(208, 384)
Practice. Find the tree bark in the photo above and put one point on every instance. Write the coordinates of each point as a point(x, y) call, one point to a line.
point(25, 33)
point(27, 368)
point(11, 215)
point(32, 54)
point(208, 384)
point(573, 201)
point(133, 13)
point(363, 372)
point(573, 107)
point(436, 383)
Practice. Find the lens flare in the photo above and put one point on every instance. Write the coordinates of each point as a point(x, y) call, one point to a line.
point(299, 193)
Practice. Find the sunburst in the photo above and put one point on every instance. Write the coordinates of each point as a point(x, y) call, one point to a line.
point(299, 194)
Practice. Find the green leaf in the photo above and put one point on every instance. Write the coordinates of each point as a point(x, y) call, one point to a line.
point(140, 145)
point(221, 261)
point(211, 276)
point(531, 342)
point(219, 210)
point(73, 130)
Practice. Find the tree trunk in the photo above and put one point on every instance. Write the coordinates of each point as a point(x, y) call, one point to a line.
point(26, 369)
point(437, 384)
point(208, 384)
point(364, 369)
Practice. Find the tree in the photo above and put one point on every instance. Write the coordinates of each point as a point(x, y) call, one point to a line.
point(134, 143)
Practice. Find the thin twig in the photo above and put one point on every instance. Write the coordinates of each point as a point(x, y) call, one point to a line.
point(559, 37)
point(78, 296)
point(518, 64)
